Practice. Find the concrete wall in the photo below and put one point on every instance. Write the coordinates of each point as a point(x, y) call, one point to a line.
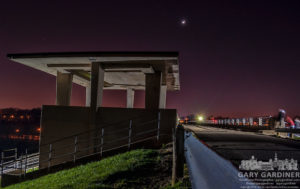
point(115, 119)
point(58, 122)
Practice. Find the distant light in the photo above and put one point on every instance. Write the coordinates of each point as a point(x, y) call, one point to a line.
point(17, 130)
point(200, 118)
point(183, 22)
point(38, 129)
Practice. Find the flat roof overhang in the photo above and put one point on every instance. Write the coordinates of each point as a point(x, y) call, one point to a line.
point(122, 69)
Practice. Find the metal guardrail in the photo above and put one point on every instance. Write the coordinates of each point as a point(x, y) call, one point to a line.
point(209, 170)
point(287, 130)
point(30, 161)
point(22, 163)
point(259, 123)
point(251, 121)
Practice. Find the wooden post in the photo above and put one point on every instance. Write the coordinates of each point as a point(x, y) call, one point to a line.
point(50, 156)
point(129, 134)
point(179, 151)
point(178, 156)
point(158, 126)
point(102, 141)
point(75, 149)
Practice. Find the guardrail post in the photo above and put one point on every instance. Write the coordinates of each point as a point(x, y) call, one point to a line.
point(25, 162)
point(50, 156)
point(158, 126)
point(129, 134)
point(102, 141)
point(178, 156)
point(75, 149)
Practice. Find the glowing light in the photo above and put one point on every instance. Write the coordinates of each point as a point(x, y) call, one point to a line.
point(200, 118)
point(38, 129)
point(17, 130)
point(183, 22)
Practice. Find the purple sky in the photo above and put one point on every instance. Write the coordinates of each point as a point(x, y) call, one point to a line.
point(239, 58)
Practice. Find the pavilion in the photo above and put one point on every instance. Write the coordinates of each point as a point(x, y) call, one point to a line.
point(154, 72)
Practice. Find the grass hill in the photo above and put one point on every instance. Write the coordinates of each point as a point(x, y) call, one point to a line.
point(135, 169)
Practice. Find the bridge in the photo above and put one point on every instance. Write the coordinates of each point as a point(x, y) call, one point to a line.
point(213, 146)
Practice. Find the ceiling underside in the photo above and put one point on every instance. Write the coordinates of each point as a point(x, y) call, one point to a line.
point(122, 70)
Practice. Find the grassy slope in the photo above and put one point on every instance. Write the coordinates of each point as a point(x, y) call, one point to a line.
point(107, 173)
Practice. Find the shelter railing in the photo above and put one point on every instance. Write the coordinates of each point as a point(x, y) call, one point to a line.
point(103, 140)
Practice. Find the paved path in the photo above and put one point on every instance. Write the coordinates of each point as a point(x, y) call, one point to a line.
point(239, 145)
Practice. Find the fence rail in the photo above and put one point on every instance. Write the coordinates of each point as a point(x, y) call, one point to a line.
point(26, 161)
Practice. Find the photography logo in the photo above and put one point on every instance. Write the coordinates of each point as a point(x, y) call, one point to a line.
point(273, 164)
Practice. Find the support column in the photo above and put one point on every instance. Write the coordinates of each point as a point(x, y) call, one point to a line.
point(152, 95)
point(163, 97)
point(88, 96)
point(130, 98)
point(97, 84)
point(63, 88)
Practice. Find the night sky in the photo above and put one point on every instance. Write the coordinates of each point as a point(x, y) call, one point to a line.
point(237, 58)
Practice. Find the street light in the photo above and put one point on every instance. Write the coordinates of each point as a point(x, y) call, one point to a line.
point(200, 118)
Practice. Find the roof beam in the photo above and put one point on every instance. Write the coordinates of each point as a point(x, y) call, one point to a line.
point(70, 66)
point(108, 67)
